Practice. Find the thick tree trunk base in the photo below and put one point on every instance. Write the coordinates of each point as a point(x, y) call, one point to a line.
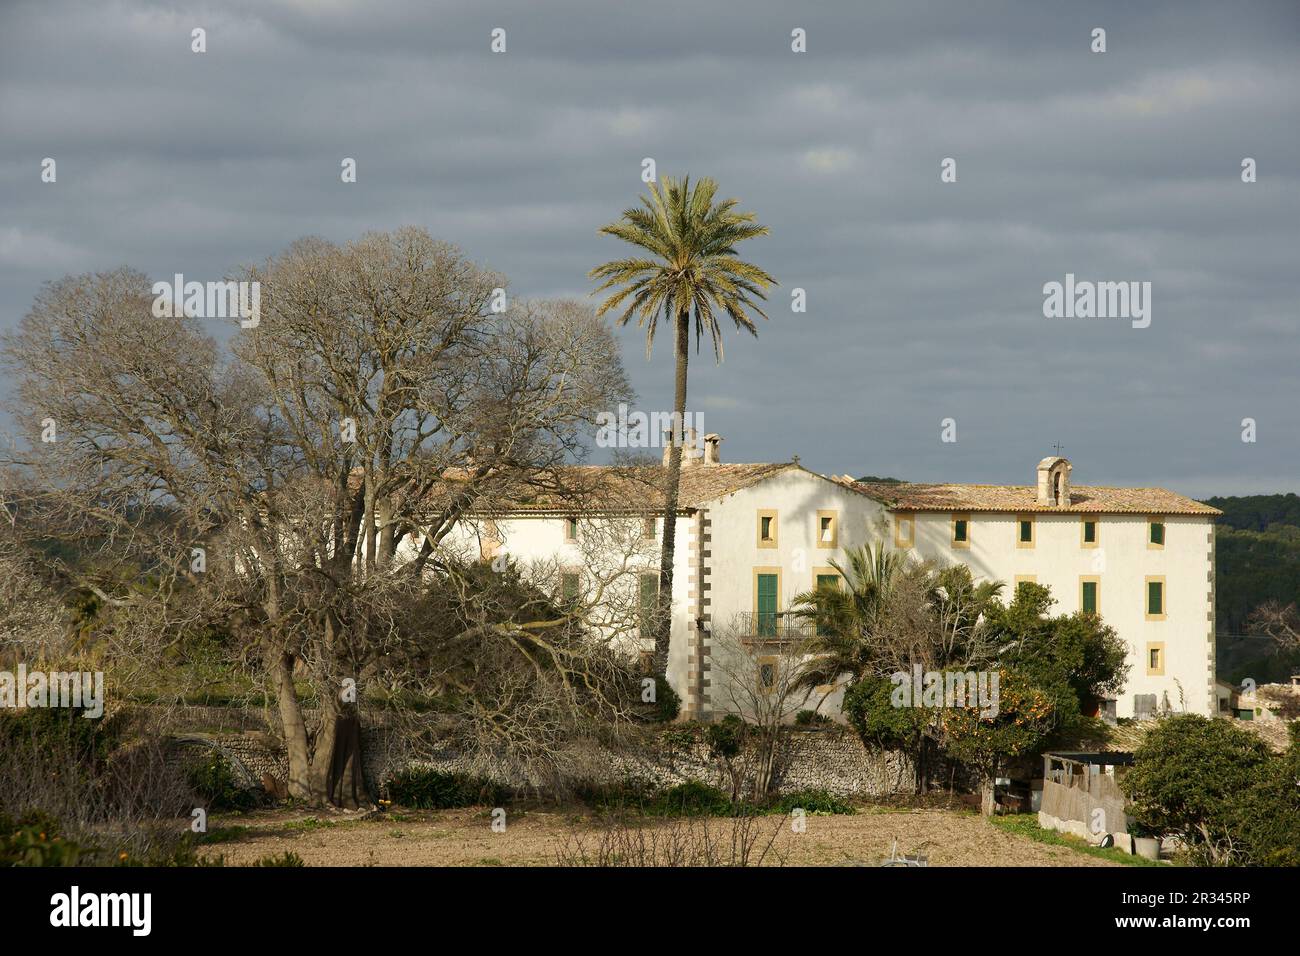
point(346, 782)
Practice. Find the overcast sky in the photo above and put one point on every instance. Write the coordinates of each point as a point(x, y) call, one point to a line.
point(925, 299)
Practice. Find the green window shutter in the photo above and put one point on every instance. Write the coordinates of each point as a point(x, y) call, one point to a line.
point(1090, 532)
point(569, 588)
point(1026, 531)
point(1155, 597)
point(826, 581)
point(767, 604)
point(1090, 597)
point(959, 529)
point(1157, 532)
point(767, 527)
point(649, 601)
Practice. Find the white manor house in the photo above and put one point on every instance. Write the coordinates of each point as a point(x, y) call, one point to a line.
point(751, 536)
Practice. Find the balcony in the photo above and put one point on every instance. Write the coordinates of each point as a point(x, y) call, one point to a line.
point(771, 627)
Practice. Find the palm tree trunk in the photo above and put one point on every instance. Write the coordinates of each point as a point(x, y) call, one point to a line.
point(663, 630)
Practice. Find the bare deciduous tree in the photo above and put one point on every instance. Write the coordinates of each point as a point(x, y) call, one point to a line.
point(759, 679)
point(316, 464)
point(1280, 623)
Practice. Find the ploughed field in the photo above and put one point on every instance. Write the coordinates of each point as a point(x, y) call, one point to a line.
point(551, 837)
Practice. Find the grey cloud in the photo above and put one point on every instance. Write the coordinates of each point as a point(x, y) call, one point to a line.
point(924, 299)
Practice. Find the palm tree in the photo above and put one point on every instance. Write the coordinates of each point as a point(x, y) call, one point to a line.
point(848, 618)
point(688, 267)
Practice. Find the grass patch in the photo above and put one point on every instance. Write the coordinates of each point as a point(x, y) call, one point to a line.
point(223, 835)
point(1026, 825)
point(309, 824)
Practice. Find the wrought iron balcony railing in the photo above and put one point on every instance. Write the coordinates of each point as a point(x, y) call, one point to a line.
point(772, 626)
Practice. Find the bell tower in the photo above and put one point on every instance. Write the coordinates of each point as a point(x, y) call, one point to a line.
point(1054, 482)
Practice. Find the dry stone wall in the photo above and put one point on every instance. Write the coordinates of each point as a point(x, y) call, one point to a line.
point(827, 758)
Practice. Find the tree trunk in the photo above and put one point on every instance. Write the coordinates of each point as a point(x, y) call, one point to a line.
point(988, 797)
point(663, 630)
point(293, 726)
point(326, 770)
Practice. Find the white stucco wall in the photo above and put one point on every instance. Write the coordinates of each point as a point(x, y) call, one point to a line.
point(1121, 563)
point(731, 554)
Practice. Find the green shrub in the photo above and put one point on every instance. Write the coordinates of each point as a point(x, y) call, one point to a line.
point(810, 718)
point(36, 840)
point(630, 795)
point(287, 858)
point(423, 788)
point(691, 799)
point(814, 802)
point(726, 738)
point(214, 782)
point(1220, 789)
point(667, 704)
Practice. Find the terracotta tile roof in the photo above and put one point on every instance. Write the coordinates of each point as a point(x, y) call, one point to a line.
point(632, 489)
point(1024, 498)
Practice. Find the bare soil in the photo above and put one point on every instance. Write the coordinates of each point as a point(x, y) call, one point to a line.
point(554, 837)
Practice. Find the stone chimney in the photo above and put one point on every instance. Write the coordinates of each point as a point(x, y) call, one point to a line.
point(1054, 482)
point(711, 451)
point(690, 450)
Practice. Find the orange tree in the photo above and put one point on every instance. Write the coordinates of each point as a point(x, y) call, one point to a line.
point(1025, 718)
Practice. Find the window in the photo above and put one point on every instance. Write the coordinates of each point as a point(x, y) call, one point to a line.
point(825, 578)
point(1156, 534)
point(1024, 579)
point(1089, 588)
point(1155, 658)
point(961, 531)
point(570, 529)
point(767, 674)
point(1155, 599)
point(649, 603)
point(489, 541)
point(649, 528)
point(570, 582)
point(1088, 532)
point(1025, 531)
point(767, 587)
point(828, 531)
point(767, 529)
point(904, 530)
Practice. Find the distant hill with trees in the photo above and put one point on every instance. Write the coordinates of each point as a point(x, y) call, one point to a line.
point(1258, 561)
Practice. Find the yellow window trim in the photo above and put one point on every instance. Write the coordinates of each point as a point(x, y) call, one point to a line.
point(490, 540)
point(904, 522)
point(775, 527)
point(820, 572)
point(779, 592)
point(1096, 531)
point(834, 542)
point(961, 545)
point(1090, 579)
point(1146, 598)
point(1033, 532)
point(1158, 646)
